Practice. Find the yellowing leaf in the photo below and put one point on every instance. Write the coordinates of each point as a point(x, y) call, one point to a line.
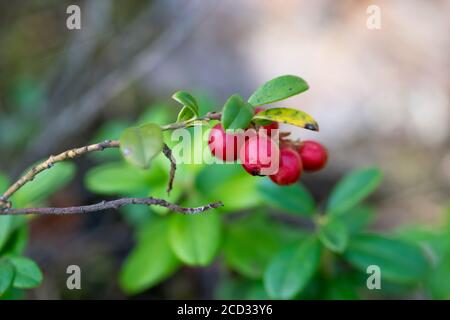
point(291, 116)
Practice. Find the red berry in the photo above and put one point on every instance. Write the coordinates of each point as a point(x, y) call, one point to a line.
point(269, 127)
point(313, 154)
point(259, 155)
point(223, 145)
point(290, 168)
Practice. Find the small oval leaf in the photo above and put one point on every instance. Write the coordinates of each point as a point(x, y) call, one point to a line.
point(117, 178)
point(190, 109)
point(6, 228)
point(6, 276)
point(236, 113)
point(151, 260)
point(185, 114)
point(17, 240)
point(195, 239)
point(290, 116)
point(292, 269)
point(249, 246)
point(357, 218)
point(352, 189)
point(400, 261)
point(139, 145)
point(334, 235)
point(28, 275)
point(295, 198)
point(278, 89)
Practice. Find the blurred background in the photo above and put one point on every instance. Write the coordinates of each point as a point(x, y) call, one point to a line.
point(381, 98)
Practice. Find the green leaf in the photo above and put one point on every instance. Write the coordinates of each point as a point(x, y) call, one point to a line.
point(341, 288)
point(195, 239)
point(278, 89)
point(236, 113)
point(185, 114)
point(250, 245)
point(231, 193)
point(190, 105)
point(6, 276)
point(28, 275)
point(257, 292)
point(13, 294)
point(44, 184)
point(3, 183)
point(292, 269)
point(399, 261)
point(295, 198)
point(228, 183)
point(353, 188)
point(290, 116)
point(240, 289)
point(5, 229)
point(438, 282)
point(139, 145)
point(357, 218)
point(18, 238)
point(334, 235)
point(151, 261)
point(434, 239)
point(5, 221)
point(116, 178)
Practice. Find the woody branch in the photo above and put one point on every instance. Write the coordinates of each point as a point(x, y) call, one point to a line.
point(5, 203)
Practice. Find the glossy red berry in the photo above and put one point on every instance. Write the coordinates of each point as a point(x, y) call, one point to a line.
point(313, 154)
point(269, 127)
point(290, 168)
point(259, 155)
point(223, 145)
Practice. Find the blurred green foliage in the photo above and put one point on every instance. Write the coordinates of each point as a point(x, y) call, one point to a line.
point(268, 242)
point(17, 271)
point(271, 242)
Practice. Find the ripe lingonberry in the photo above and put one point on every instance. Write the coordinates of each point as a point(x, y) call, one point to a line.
point(269, 127)
point(259, 155)
point(223, 145)
point(313, 154)
point(290, 167)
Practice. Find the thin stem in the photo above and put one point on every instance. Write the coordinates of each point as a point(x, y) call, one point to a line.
point(47, 164)
point(207, 117)
point(114, 204)
point(173, 166)
point(5, 204)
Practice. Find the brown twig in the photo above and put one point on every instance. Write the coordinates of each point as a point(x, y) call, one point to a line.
point(173, 166)
point(5, 204)
point(47, 164)
point(114, 204)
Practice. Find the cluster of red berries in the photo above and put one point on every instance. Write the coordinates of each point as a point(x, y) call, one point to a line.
point(257, 152)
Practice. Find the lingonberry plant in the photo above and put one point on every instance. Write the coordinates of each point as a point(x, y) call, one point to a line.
point(139, 145)
point(282, 245)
